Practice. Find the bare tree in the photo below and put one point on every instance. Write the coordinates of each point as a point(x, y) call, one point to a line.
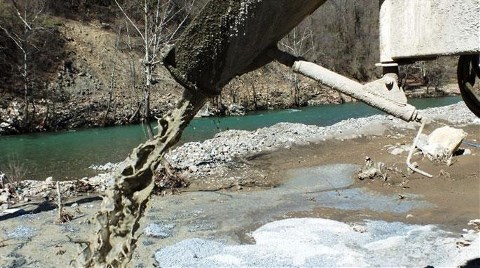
point(413, 75)
point(436, 75)
point(346, 36)
point(162, 20)
point(299, 42)
point(112, 81)
point(27, 12)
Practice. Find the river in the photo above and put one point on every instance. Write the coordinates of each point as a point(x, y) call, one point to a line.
point(67, 155)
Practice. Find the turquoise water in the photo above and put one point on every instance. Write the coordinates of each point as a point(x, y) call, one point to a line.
point(69, 154)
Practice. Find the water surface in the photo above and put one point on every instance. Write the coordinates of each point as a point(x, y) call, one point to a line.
point(69, 154)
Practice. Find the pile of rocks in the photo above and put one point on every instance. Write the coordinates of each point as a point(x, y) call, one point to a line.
point(10, 118)
point(441, 144)
point(232, 144)
point(225, 147)
point(24, 191)
point(108, 167)
point(457, 114)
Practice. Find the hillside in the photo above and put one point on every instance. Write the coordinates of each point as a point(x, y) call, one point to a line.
point(80, 65)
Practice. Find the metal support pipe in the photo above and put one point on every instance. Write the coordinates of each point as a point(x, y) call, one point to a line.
point(412, 150)
point(366, 93)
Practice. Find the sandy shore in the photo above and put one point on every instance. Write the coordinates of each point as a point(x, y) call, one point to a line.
point(244, 184)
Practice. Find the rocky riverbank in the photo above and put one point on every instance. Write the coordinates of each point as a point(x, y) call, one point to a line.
point(73, 111)
point(234, 147)
point(196, 162)
point(242, 180)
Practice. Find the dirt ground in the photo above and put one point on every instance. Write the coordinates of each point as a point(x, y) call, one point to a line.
point(32, 239)
point(454, 189)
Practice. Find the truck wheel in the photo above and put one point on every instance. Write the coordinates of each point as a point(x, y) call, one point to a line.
point(468, 70)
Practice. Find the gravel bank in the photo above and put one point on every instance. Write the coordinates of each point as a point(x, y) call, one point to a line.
point(217, 153)
point(215, 156)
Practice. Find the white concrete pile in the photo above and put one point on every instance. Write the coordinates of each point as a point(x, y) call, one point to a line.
point(442, 143)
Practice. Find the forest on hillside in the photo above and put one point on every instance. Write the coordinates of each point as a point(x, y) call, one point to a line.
point(46, 56)
point(342, 35)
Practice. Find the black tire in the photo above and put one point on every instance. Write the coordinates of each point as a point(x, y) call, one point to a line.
point(468, 71)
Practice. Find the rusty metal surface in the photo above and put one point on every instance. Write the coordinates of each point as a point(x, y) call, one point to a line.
point(416, 29)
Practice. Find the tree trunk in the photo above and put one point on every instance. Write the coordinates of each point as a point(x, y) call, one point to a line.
point(296, 88)
point(148, 77)
point(26, 118)
point(146, 111)
point(110, 95)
